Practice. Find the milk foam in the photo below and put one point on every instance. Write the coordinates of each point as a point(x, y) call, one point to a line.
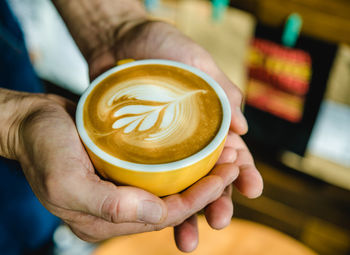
point(152, 113)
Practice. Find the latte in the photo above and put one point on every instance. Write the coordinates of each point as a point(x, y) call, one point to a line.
point(152, 114)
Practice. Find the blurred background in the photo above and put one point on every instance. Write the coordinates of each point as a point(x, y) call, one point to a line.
point(291, 59)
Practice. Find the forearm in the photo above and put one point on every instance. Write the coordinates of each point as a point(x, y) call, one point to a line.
point(96, 24)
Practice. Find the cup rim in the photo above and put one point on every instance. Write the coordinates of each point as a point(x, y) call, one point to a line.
point(163, 167)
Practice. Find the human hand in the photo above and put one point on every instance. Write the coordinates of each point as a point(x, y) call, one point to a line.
point(43, 138)
point(158, 40)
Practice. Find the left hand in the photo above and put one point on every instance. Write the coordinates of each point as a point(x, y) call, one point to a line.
point(158, 40)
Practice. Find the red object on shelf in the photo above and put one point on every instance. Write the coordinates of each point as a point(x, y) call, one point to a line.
point(279, 79)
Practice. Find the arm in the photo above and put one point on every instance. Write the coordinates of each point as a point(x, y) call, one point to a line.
point(96, 25)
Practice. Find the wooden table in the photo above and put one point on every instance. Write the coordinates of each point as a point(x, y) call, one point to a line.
point(241, 237)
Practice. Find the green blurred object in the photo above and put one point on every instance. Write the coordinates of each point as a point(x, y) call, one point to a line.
point(291, 30)
point(151, 4)
point(218, 9)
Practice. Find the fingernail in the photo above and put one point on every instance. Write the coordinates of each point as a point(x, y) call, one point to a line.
point(150, 212)
point(241, 119)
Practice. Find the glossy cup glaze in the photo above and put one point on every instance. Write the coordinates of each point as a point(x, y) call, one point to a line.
point(159, 179)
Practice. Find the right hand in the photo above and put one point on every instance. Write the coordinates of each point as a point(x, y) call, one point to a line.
point(45, 141)
point(159, 40)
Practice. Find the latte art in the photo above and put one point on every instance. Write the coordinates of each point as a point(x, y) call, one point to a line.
point(150, 115)
point(155, 114)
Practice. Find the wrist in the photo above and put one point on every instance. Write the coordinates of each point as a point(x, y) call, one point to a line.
point(94, 24)
point(15, 107)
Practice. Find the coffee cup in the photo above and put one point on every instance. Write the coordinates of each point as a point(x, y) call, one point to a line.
point(155, 124)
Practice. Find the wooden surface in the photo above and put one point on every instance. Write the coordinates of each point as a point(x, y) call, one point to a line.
point(240, 238)
point(226, 40)
point(329, 171)
point(310, 210)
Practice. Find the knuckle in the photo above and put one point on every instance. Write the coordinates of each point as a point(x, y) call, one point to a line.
point(110, 209)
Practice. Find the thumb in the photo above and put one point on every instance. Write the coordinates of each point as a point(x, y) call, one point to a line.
point(118, 204)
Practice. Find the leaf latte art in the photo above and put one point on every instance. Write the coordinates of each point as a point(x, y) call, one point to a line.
point(156, 117)
point(152, 118)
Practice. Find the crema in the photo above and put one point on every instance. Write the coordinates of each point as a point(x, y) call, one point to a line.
point(152, 114)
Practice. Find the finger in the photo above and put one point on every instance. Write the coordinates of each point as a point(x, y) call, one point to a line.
point(186, 234)
point(114, 204)
point(100, 64)
point(219, 213)
point(230, 140)
point(208, 189)
point(228, 172)
point(228, 155)
point(95, 229)
point(249, 181)
point(234, 141)
point(180, 207)
point(238, 121)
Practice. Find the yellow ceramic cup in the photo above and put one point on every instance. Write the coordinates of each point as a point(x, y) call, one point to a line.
point(159, 179)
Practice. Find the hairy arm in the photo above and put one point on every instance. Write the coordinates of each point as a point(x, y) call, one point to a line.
point(96, 25)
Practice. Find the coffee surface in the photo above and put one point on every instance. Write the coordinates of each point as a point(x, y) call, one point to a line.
point(152, 114)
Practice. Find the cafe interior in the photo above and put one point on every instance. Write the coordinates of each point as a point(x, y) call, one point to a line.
point(291, 60)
